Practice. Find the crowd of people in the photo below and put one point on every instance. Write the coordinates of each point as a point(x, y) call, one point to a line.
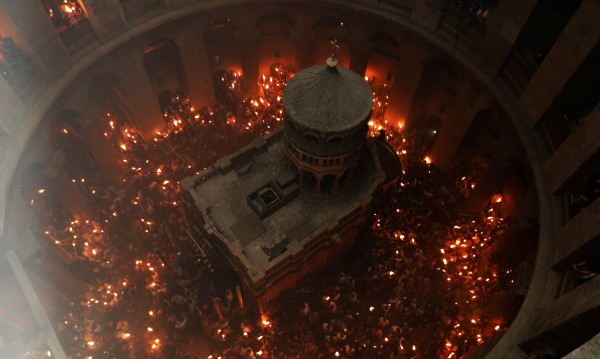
point(417, 284)
point(417, 287)
point(65, 13)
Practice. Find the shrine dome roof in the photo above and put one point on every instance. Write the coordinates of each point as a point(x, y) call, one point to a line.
point(328, 98)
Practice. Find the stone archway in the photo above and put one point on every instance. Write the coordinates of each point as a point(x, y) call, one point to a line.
point(273, 44)
point(162, 62)
point(327, 29)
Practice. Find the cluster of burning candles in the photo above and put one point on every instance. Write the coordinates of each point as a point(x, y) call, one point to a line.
point(85, 239)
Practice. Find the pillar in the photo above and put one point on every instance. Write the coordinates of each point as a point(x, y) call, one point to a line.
point(404, 87)
point(105, 16)
point(127, 63)
point(567, 322)
point(317, 190)
point(195, 63)
point(577, 149)
point(505, 24)
point(28, 23)
point(359, 57)
point(305, 43)
point(248, 43)
point(336, 185)
point(13, 109)
point(591, 349)
point(578, 239)
point(455, 126)
point(579, 37)
point(35, 304)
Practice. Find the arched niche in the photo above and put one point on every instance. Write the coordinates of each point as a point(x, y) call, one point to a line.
point(65, 130)
point(67, 135)
point(436, 92)
point(164, 98)
point(430, 129)
point(274, 44)
point(162, 62)
point(275, 24)
point(105, 91)
point(327, 29)
point(335, 139)
point(328, 184)
point(33, 184)
point(227, 86)
point(222, 47)
point(383, 63)
point(311, 137)
point(485, 129)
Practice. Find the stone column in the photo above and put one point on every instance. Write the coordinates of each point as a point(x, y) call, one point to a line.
point(28, 23)
point(567, 322)
point(13, 109)
point(505, 24)
point(45, 326)
point(305, 43)
point(578, 148)
point(591, 349)
point(461, 117)
point(405, 83)
point(127, 63)
point(577, 40)
point(336, 185)
point(359, 57)
point(195, 63)
point(105, 16)
point(578, 239)
point(248, 43)
point(317, 189)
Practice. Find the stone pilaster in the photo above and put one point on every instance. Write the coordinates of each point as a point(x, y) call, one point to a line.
point(505, 24)
point(578, 38)
point(305, 43)
point(196, 65)
point(248, 43)
point(404, 87)
point(127, 63)
point(359, 57)
point(28, 23)
point(567, 322)
point(105, 16)
point(13, 110)
point(459, 121)
point(577, 149)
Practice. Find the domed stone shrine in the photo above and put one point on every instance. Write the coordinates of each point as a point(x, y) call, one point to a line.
point(327, 109)
point(291, 200)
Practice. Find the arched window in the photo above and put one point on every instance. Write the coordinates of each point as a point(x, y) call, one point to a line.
point(311, 137)
point(335, 139)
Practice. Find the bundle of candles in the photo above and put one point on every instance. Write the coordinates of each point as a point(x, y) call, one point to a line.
point(416, 289)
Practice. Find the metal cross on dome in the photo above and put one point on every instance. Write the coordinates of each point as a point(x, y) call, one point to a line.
point(334, 47)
